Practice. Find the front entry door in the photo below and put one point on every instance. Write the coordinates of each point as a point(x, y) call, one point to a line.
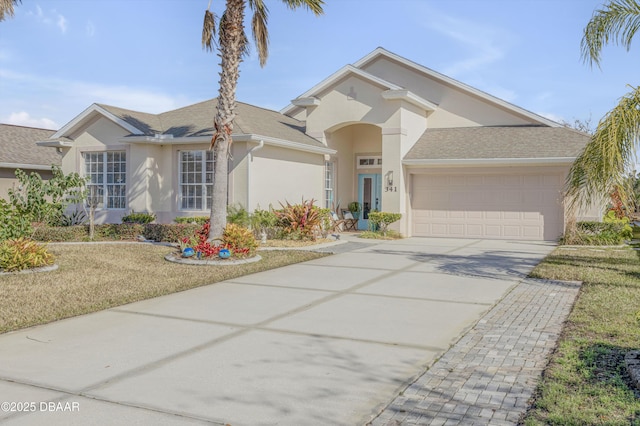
point(369, 197)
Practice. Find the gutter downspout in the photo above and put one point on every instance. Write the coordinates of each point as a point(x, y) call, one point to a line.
point(250, 156)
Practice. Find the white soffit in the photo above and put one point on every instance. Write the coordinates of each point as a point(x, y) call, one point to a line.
point(408, 96)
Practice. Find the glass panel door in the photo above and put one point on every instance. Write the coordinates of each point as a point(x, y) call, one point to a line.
point(369, 197)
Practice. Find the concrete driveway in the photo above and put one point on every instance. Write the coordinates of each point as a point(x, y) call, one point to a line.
point(331, 341)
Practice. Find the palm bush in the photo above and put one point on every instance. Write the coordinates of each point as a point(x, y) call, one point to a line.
point(22, 253)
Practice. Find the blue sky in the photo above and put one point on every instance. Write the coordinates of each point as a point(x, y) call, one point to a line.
point(57, 57)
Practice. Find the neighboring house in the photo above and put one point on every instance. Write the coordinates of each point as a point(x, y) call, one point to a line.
point(385, 131)
point(18, 150)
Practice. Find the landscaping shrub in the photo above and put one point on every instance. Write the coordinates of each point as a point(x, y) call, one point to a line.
point(45, 201)
point(77, 217)
point(169, 233)
point(238, 215)
point(200, 220)
point(596, 234)
point(265, 221)
point(612, 217)
point(12, 223)
point(240, 240)
point(118, 231)
point(22, 253)
point(381, 220)
point(60, 233)
point(141, 218)
point(299, 221)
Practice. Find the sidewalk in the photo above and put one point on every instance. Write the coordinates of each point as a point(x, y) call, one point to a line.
point(489, 375)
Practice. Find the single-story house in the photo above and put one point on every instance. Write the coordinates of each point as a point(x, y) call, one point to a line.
point(385, 131)
point(19, 151)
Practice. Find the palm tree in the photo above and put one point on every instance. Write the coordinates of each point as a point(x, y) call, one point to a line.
point(602, 167)
point(233, 45)
point(6, 8)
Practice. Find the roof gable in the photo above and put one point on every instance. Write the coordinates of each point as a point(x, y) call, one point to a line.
point(194, 123)
point(383, 54)
point(89, 114)
point(334, 78)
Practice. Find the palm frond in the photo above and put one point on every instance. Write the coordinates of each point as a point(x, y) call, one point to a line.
point(7, 8)
point(314, 6)
point(259, 29)
point(607, 159)
point(208, 31)
point(617, 22)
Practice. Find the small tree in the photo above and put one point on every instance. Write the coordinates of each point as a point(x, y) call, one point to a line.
point(45, 201)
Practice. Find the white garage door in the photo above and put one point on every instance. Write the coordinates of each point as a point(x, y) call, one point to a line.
point(500, 206)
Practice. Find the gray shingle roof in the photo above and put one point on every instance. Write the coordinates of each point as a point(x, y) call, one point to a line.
point(18, 145)
point(197, 120)
point(498, 142)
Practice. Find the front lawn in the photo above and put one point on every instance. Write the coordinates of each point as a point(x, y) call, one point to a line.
point(92, 277)
point(586, 382)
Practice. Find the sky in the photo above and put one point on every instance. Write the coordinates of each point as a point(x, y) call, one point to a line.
point(57, 57)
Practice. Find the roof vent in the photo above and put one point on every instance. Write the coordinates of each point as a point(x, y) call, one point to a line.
point(163, 136)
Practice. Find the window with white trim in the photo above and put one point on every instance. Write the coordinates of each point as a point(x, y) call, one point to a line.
point(373, 161)
point(329, 184)
point(107, 173)
point(196, 179)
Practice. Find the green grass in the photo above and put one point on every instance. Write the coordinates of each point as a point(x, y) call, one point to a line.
point(586, 382)
point(95, 277)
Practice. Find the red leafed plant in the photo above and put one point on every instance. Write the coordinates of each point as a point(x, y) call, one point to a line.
point(302, 219)
point(236, 239)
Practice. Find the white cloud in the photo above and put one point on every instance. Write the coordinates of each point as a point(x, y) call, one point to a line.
point(90, 29)
point(63, 99)
point(50, 18)
point(62, 23)
point(486, 44)
point(23, 118)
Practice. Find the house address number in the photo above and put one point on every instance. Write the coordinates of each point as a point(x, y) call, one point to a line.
point(390, 189)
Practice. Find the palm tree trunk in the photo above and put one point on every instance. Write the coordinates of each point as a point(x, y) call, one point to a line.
point(232, 45)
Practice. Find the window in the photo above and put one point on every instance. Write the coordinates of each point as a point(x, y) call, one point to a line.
point(107, 173)
point(369, 162)
point(329, 183)
point(196, 179)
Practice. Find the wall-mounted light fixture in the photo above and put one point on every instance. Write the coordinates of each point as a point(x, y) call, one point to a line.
point(389, 177)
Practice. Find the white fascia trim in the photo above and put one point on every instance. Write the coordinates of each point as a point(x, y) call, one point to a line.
point(412, 98)
point(24, 166)
point(284, 143)
point(306, 102)
point(155, 140)
point(462, 86)
point(86, 113)
point(488, 161)
point(333, 78)
point(236, 138)
point(55, 144)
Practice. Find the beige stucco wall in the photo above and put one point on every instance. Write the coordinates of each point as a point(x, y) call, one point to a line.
point(455, 108)
point(278, 175)
point(98, 135)
point(8, 179)
point(352, 141)
point(349, 101)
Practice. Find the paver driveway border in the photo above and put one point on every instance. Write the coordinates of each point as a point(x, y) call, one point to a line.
point(330, 341)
